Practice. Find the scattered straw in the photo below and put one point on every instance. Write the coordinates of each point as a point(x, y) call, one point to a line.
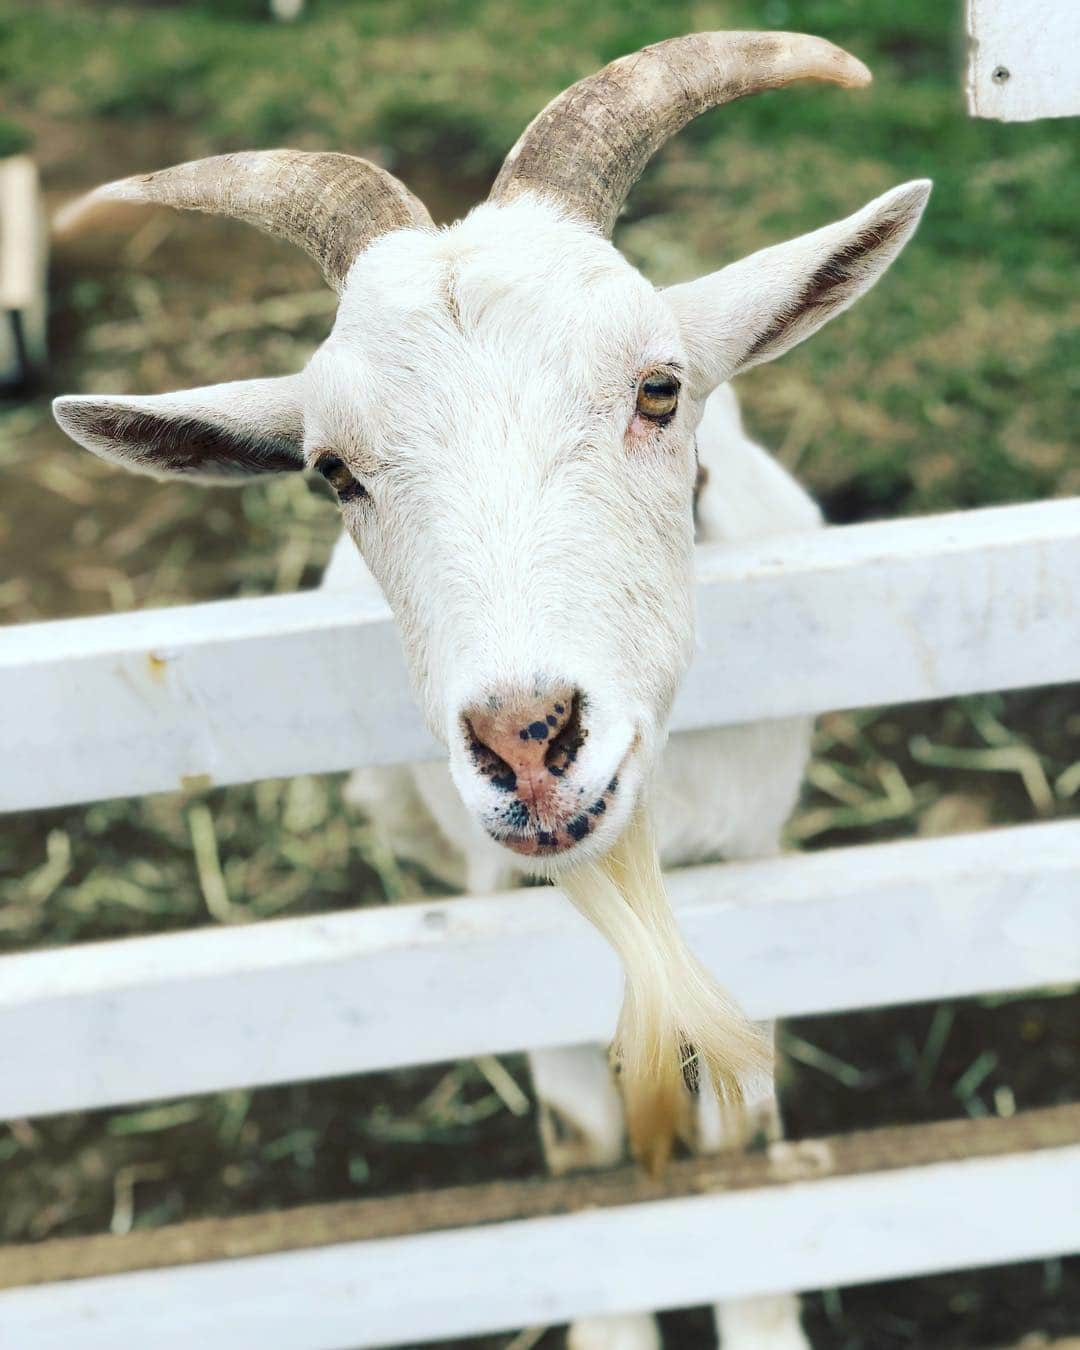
point(154, 1119)
point(941, 1025)
point(1068, 783)
point(503, 1084)
point(525, 1339)
point(123, 1215)
point(208, 865)
point(831, 1065)
point(1018, 758)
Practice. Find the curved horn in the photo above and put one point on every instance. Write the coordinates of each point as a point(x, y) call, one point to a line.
point(589, 145)
point(332, 206)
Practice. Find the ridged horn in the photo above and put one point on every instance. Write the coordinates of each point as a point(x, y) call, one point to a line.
point(331, 206)
point(589, 145)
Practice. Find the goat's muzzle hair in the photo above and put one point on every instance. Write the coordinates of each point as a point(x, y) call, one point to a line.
point(678, 1032)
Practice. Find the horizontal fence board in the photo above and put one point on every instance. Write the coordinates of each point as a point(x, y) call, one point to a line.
point(412, 1213)
point(1023, 59)
point(826, 1212)
point(234, 691)
point(294, 999)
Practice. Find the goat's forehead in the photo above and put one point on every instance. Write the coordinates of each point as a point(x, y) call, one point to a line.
point(523, 265)
point(513, 309)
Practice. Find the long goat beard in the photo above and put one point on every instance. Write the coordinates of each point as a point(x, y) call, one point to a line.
point(678, 1031)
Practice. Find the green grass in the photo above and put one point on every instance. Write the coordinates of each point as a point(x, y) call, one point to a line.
point(13, 139)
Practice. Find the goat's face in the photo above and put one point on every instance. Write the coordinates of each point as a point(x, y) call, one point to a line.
point(506, 411)
point(501, 407)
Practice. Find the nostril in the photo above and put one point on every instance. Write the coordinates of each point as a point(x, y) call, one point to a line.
point(489, 764)
point(522, 743)
point(568, 736)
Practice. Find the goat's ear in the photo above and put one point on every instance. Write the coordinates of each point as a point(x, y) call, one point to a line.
point(218, 434)
point(761, 306)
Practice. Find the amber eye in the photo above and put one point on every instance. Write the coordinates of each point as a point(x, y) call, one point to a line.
point(658, 396)
point(340, 479)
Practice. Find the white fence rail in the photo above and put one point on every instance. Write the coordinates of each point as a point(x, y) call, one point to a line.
point(844, 1211)
point(230, 692)
point(293, 999)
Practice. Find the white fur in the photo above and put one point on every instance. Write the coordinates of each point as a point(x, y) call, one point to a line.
point(519, 531)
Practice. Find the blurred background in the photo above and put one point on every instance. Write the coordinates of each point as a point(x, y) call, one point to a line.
point(950, 386)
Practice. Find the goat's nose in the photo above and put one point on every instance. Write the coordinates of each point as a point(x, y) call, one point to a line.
point(525, 744)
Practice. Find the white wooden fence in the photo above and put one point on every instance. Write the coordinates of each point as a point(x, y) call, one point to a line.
point(135, 703)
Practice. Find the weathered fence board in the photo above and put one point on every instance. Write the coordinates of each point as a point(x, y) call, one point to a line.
point(247, 689)
point(23, 259)
point(1024, 59)
point(487, 1258)
point(295, 999)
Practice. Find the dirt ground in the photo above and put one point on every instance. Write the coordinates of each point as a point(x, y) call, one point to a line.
point(171, 302)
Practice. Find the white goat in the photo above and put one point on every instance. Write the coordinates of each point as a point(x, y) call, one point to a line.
point(512, 420)
point(718, 794)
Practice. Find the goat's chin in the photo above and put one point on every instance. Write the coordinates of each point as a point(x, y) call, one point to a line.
point(581, 837)
point(550, 863)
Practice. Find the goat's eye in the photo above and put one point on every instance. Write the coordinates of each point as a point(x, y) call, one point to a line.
point(340, 479)
point(658, 397)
